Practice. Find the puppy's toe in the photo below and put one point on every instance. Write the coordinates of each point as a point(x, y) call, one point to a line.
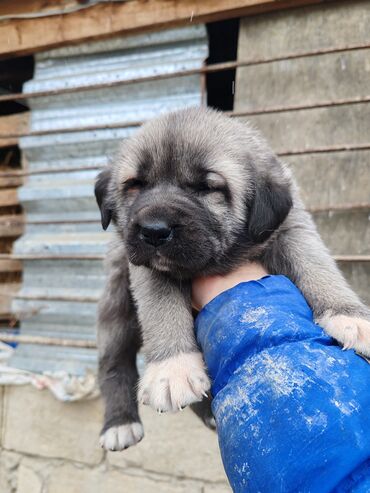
point(174, 383)
point(351, 332)
point(121, 437)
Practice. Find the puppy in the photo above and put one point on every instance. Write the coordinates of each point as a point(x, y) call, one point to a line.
point(194, 193)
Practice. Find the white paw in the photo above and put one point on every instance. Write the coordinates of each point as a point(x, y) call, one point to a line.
point(121, 437)
point(172, 384)
point(351, 332)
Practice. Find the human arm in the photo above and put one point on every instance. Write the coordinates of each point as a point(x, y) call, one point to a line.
point(290, 406)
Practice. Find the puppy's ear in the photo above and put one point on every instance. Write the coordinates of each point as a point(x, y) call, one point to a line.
point(271, 205)
point(101, 195)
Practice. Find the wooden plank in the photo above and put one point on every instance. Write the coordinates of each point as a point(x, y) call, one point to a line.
point(345, 125)
point(345, 232)
point(8, 197)
point(10, 265)
point(11, 226)
point(307, 81)
point(303, 30)
point(332, 179)
point(13, 126)
point(11, 8)
point(49, 341)
point(7, 291)
point(9, 181)
point(22, 36)
point(358, 275)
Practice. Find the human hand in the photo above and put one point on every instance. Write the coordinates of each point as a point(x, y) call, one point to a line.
point(204, 289)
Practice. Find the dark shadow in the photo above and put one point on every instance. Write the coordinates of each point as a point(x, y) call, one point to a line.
point(223, 47)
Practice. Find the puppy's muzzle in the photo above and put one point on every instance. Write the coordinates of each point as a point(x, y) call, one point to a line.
point(155, 233)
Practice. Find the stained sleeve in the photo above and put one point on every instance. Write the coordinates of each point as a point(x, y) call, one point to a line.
point(292, 409)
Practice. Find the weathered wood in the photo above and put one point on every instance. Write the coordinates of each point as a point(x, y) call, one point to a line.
point(49, 341)
point(7, 291)
point(345, 232)
point(10, 265)
point(332, 179)
point(305, 129)
point(306, 81)
point(8, 197)
point(9, 178)
point(11, 127)
point(305, 29)
point(21, 36)
point(9, 8)
point(358, 275)
point(11, 226)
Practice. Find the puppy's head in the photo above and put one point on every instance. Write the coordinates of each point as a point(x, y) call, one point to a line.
point(191, 186)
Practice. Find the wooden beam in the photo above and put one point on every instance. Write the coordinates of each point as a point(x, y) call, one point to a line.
point(7, 291)
point(10, 265)
point(9, 197)
point(11, 226)
point(12, 127)
point(49, 341)
point(108, 19)
point(11, 8)
point(9, 178)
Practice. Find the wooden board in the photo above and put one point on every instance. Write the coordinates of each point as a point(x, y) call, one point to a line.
point(22, 36)
point(321, 27)
point(10, 265)
point(8, 181)
point(304, 81)
point(358, 275)
point(11, 127)
point(7, 291)
point(9, 8)
point(345, 233)
point(11, 226)
point(8, 197)
point(346, 175)
point(296, 131)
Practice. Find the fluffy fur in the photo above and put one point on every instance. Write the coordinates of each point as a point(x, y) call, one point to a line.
point(195, 192)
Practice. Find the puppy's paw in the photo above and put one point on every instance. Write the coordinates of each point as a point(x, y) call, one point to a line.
point(121, 437)
point(351, 332)
point(172, 384)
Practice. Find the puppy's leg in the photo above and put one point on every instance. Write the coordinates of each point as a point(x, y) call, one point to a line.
point(299, 253)
point(118, 343)
point(175, 375)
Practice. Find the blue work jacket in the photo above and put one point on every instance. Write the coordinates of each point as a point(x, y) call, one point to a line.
point(292, 409)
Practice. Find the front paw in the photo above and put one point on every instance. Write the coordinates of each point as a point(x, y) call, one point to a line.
point(122, 436)
point(174, 383)
point(352, 332)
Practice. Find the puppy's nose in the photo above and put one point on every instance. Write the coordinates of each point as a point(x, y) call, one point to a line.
point(155, 233)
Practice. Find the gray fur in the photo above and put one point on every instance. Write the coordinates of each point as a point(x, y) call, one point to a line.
point(251, 211)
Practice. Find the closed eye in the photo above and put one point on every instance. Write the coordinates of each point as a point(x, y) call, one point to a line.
point(202, 187)
point(206, 188)
point(133, 184)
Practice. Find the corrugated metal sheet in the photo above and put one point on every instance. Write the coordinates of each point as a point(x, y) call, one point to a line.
point(54, 291)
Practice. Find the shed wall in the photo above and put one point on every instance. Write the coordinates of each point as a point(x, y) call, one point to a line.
point(313, 106)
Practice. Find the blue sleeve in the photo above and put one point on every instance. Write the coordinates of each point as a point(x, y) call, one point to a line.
point(292, 409)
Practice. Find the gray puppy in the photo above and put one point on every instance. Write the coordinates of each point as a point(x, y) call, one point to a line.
point(195, 192)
